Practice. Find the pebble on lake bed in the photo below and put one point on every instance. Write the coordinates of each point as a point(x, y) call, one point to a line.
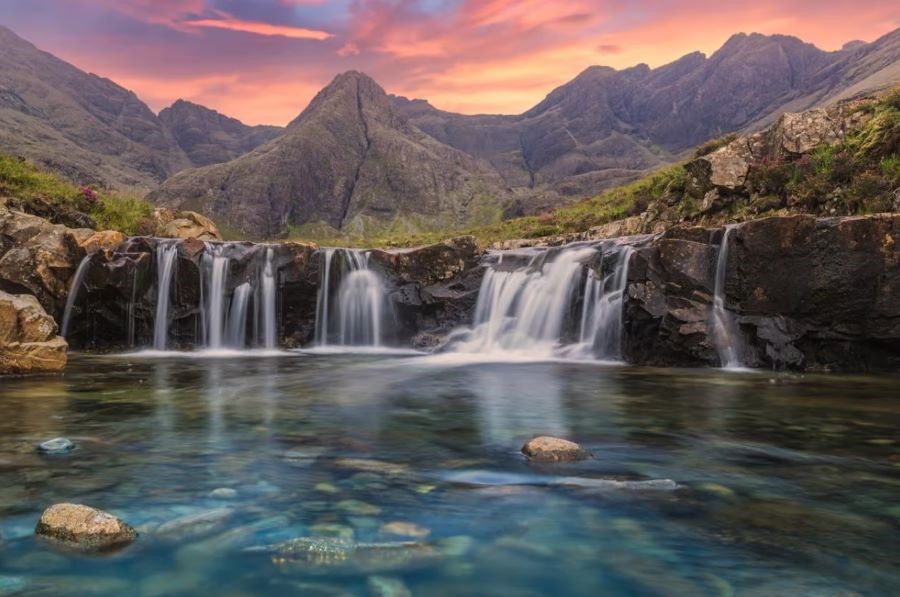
point(57, 445)
point(84, 528)
point(554, 449)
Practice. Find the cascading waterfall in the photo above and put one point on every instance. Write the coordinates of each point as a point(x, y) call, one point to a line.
point(324, 298)
point(236, 333)
point(604, 300)
point(527, 310)
point(360, 302)
point(166, 252)
point(723, 330)
point(77, 281)
point(270, 334)
point(215, 270)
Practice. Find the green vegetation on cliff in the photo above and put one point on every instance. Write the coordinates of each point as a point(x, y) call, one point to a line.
point(24, 181)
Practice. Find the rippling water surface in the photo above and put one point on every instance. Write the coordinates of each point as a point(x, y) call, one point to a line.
point(407, 473)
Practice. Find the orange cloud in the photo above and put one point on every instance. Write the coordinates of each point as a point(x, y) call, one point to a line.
point(232, 24)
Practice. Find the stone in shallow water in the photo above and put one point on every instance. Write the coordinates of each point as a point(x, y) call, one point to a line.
point(57, 445)
point(330, 553)
point(84, 528)
point(223, 493)
point(387, 586)
point(554, 449)
point(194, 525)
point(404, 529)
point(358, 507)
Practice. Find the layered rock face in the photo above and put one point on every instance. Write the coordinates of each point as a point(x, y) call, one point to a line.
point(28, 340)
point(430, 289)
point(806, 293)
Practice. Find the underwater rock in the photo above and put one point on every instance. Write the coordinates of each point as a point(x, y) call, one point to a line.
point(386, 586)
point(554, 449)
point(223, 493)
point(337, 554)
point(84, 528)
point(404, 529)
point(358, 507)
point(57, 445)
point(193, 525)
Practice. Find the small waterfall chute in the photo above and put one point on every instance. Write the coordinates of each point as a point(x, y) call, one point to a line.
point(532, 310)
point(724, 334)
point(74, 288)
point(267, 282)
point(166, 252)
point(361, 302)
point(215, 286)
point(236, 330)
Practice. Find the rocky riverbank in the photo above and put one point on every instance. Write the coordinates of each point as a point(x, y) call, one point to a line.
point(803, 292)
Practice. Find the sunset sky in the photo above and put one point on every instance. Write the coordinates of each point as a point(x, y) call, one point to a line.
point(263, 60)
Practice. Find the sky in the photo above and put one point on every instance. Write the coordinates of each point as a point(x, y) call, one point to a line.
point(262, 60)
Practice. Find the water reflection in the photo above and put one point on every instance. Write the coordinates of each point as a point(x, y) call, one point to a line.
point(787, 485)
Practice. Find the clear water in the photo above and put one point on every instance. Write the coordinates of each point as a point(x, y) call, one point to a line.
point(787, 485)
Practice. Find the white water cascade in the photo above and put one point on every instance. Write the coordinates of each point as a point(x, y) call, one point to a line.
point(215, 271)
point(165, 269)
point(77, 281)
point(361, 301)
point(269, 325)
point(601, 312)
point(532, 310)
point(723, 330)
point(236, 332)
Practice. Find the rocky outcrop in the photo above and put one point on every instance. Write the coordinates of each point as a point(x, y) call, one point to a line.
point(184, 225)
point(553, 449)
point(37, 257)
point(28, 340)
point(84, 528)
point(806, 293)
point(431, 289)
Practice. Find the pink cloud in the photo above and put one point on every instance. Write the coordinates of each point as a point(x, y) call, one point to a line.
point(256, 28)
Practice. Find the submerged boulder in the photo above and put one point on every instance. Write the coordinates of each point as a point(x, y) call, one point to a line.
point(84, 528)
point(28, 340)
point(554, 449)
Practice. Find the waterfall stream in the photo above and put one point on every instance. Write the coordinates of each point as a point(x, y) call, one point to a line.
point(166, 252)
point(531, 310)
point(74, 287)
point(269, 326)
point(724, 334)
point(361, 301)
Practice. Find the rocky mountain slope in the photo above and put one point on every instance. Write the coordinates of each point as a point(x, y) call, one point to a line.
point(208, 137)
point(603, 129)
point(606, 126)
point(351, 161)
point(96, 132)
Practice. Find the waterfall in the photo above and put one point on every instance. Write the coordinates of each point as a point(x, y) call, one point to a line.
point(360, 301)
point(532, 309)
point(215, 270)
point(270, 335)
point(236, 331)
point(77, 281)
point(604, 300)
point(323, 298)
point(723, 331)
point(166, 252)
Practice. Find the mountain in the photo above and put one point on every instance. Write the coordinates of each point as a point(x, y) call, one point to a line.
point(96, 132)
point(82, 125)
point(607, 125)
point(208, 137)
point(352, 161)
